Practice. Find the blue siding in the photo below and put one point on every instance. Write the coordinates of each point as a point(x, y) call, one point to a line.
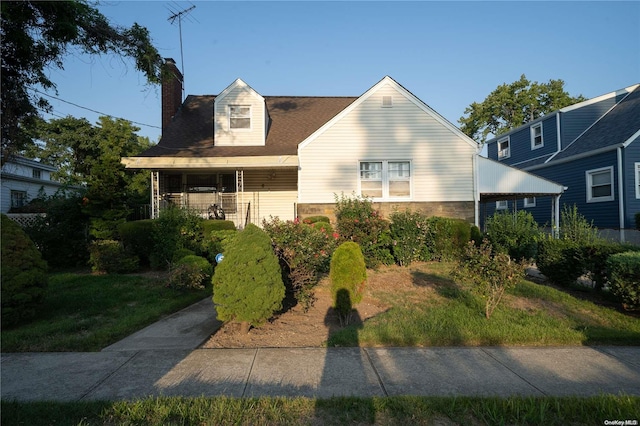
point(573, 174)
point(631, 155)
point(573, 123)
point(520, 142)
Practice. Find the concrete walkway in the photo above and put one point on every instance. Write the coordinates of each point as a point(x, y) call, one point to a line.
point(163, 360)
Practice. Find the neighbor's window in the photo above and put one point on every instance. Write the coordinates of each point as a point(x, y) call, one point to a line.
point(502, 205)
point(600, 185)
point(530, 202)
point(637, 180)
point(239, 117)
point(18, 198)
point(503, 148)
point(536, 136)
point(385, 179)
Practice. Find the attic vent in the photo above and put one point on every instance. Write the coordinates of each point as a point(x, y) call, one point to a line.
point(387, 102)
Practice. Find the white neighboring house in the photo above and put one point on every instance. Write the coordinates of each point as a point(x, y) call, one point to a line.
point(22, 179)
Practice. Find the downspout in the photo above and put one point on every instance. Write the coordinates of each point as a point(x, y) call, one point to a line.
point(556, 216)
point(476, 196)
point(620, 195)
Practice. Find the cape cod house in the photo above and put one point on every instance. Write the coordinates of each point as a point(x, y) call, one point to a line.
point(260, 156)
point(592, 147)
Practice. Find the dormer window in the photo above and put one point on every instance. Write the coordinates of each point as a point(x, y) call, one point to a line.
point(503, 148)
point(536, 136)
point(36, 174)
point(239, 117)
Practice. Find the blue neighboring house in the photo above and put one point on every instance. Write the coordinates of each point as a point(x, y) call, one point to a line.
point(592, 148)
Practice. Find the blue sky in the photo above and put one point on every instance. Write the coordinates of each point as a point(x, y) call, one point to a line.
point(449, 54)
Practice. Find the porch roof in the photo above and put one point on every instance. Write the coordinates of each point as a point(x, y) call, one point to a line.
point(217, 163)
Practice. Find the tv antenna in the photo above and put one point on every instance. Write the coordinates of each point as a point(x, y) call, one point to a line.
point(177, 14)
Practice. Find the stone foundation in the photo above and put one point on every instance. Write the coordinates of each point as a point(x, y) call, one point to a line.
point(455, 209)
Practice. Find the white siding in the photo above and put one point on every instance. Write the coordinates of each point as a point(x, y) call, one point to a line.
point(441, 160)
point(239, 94)
point(272, 192)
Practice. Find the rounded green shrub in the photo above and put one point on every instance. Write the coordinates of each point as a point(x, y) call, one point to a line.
point(625, 278)
point(410, 234)
point(217, 242)
point(323, 226)
point(560, 260)
point(348, 272)
point(516, 234)
point(24, 274)
point(247, 284)
point(449, 237)
point(316, 219)
point(109, 256)
point(217, 225)
point(137, 238)
point(190, 272)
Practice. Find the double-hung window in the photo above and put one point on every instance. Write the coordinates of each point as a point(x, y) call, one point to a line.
point(239, 117)
point(536, 136)
point(637, 180)
point(502, 205)
point(385, 179)
point(18, 198)
point(529, 202)
point(503, 148)
point(600, 185)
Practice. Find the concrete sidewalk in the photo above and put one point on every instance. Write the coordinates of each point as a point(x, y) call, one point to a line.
point(162, 359)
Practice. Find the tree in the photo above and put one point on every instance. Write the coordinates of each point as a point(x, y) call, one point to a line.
point(512, 105)
point(35, 36)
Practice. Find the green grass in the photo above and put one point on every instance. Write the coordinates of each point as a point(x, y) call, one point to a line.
point(438, 312)
point(88, 312)
point(334, 411)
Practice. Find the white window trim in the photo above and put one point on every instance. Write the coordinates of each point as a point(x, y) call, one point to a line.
point(502, 205)
point(248, 129)
point(532, 133)
point(385, 179)
point(588, 175)
point(508, 150)
point(530, 204)
point(637, 171)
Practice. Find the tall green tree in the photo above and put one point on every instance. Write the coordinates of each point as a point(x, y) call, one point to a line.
point(512, 105)
point(36, 36)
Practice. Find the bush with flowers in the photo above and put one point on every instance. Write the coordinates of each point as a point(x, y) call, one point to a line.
point(412, 237)
point(304, 252)
point(359, 222)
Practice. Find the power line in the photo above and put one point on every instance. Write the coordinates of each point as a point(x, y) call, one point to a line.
point(93, 110)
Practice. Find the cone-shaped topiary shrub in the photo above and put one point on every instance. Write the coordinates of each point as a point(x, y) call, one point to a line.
point(247, 284)
point(24, 274)
point(348, 272)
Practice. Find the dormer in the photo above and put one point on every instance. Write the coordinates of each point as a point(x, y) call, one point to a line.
point(240, 116)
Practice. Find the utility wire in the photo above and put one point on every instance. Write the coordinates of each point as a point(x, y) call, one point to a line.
point(93, 110)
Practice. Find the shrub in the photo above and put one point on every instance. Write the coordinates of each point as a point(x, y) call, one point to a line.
point(561, 261)
point(638, 221)
point(515, 234)
point(358, 221)
point(24, 274)
point(109, 256)
point(411, 237)
point(62, 235)
point(247, 284)
point(625, 278)
point(476, 235)
point(450, 237)
point(209, 226)
point(595, 257)
point(348, 278)
point(323, 226)
point(489, 273)
point(217, 242)
point(304, 252)
point(575, 227)
point(137, 238)
point(175, 229)
point(190, 272)
point(315, 219)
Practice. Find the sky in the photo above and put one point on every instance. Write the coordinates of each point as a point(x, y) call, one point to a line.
point(448, 54)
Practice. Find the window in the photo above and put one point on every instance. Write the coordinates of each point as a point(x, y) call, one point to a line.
point(502, 205)
point(530, 202)
point(637, 180)
point(600, 185)
point(239, 117)
point(36, 174)
point(536, 136)
point(18, 198)
point(385, 179)
point(387, 102)
point(503, 148)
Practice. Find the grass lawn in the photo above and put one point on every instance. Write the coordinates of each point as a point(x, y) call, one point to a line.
point(428, 309)
point(334, 411)
point(83, 312)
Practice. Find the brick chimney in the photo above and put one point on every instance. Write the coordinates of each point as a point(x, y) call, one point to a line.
point(171, 92)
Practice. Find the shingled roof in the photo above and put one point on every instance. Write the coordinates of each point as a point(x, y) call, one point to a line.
point(613, 129)
point(291, 120)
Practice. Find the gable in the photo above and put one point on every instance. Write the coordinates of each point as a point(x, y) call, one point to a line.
point(240, 117)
